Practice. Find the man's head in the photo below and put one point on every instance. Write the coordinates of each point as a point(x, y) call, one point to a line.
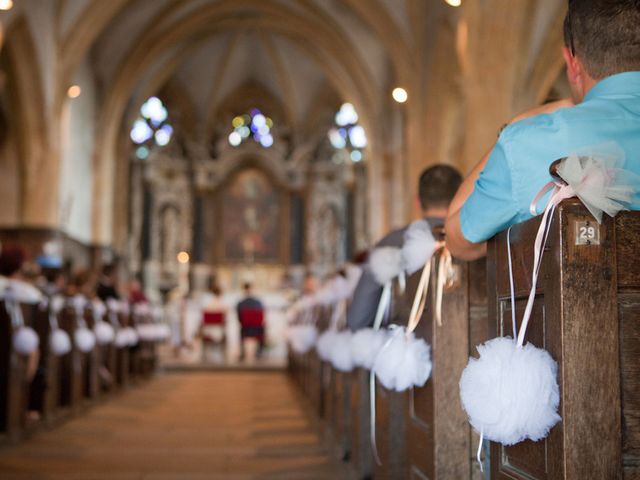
point(247, 287)
point(11, 259)
point(436, 188)
point(602, 38)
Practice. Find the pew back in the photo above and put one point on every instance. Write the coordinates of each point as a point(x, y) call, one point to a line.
point(586, 315)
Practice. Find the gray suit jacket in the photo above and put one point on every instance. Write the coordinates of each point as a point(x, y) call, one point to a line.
point(362, 310)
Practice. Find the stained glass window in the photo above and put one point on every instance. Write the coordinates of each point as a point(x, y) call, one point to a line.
point(253, 125)
point(151, 128)
point(347, 135)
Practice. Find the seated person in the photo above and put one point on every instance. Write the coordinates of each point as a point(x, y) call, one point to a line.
point(436, 188)
point(251, 317)
point(602, 53)
point(214, 312)
point(12, 258)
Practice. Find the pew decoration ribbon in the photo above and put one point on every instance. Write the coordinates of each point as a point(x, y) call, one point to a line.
point(404, 361)
point(302, 336)
point(83, 338)
point(59, 340)
point(104, 331)
point(510, 393)
point(25, 340)
point(334, 345)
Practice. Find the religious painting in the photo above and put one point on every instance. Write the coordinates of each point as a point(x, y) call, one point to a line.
point(251, 219)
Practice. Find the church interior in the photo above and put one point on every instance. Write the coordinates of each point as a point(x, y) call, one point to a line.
point(178, 153)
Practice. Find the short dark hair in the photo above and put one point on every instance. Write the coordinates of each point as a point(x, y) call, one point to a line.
point(605, 35)
point(11, 259)
point(437, 186)
point(246, 286)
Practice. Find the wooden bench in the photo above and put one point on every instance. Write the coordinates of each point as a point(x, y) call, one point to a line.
point(44, 392)
point(73, 377)
point(587, 315)
point(14, 384)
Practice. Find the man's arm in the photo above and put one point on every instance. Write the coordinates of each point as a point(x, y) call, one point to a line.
point(457, 244)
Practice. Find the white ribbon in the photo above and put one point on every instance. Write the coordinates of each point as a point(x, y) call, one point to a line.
point(560, 193)
point(383, 306)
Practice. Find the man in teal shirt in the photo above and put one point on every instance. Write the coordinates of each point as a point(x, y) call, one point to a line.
point(602, 52)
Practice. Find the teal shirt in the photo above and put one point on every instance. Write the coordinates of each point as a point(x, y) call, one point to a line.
point(518, 166)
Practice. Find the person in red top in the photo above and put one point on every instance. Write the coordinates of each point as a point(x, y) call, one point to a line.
point(251, 317)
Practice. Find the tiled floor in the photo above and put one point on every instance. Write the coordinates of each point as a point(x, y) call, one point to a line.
point(197, 425)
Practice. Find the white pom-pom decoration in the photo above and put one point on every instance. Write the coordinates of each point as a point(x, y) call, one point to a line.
point(126, 337)
point(84, 339)
point(340, 355)
point(152, 332)
point(163, 332)
point(113, 305)
point(99, 309)
point(418, 246)
point(57, 303)
point(325, 344)
point(25, 340)
point(302, 338)
point(511, 394)
point(365, 345)
point(104, 333)
point(386, 263)
point(403, 362)
point(122, 338)
point(79, 303)
point(141, 309)
point(59, 342)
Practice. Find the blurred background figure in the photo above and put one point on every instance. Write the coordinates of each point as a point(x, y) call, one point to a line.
point(107, 284)
point(251, 317)
point(214, 320)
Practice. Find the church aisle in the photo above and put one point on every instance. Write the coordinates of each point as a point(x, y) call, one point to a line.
point(240, 425)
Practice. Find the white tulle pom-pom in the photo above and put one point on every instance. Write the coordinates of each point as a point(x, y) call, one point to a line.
point(302, 338)
point(113, 305)
point(99, 309)
point(162, 332)
point(511, 394)
point(340, 355)
point(365, 345)
point(142, 309)
point(122, 338)
point(84, 339)
point(403, 362)
point(152, 332)
point(79, 303)
point(386, 263)
point(418, 246)
point(59, 342)
point(325, 344)
point(25, 340)
point(132, 336)
point(57, 303)
point(104, 333)
point(325, 295)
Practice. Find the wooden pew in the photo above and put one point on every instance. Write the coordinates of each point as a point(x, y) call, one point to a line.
point(361, 455)
point(44, 392)
point(439, 441)
point(587, 315)
point(391, 425)
point(91, 361)
point(73, 365)
point(14, 385)
point(123, 355)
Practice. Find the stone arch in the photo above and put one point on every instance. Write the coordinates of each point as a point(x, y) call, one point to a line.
point(218, 17)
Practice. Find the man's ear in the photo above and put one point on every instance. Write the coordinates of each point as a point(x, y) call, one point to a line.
point(574, 69)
